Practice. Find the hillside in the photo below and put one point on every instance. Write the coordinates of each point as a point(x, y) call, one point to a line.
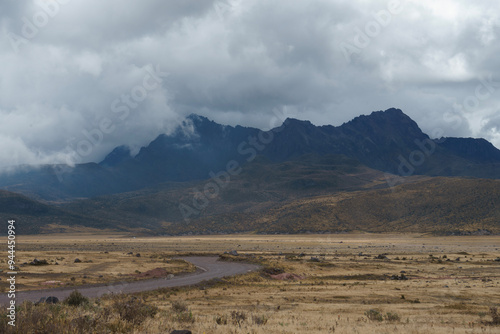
point(259, 186)
point(34, 217)
point(434, 205)
point(279, 203)
point(308, 195)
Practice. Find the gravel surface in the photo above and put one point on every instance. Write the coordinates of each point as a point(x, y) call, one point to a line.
point(208, 268)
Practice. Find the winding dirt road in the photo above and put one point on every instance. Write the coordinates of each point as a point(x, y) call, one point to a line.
point(208, 268)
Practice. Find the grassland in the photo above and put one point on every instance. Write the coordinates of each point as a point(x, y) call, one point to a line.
point(347, 284)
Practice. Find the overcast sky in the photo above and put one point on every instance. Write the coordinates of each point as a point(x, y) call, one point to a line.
point(80, 77)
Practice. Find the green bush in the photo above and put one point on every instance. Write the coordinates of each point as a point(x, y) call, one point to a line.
point(76, 299)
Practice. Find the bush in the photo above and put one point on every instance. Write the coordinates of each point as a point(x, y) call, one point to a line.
point(76, 299)
point(221, 320)
point(185, 317)
point(179, 307)
point(238, 317)
point(134, 310)
point(259, 320)
point(183, 314)
point(391, 317)
point(374, 315)
point(494, 316)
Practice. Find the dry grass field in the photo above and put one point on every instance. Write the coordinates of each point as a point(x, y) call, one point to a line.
point(343, 283)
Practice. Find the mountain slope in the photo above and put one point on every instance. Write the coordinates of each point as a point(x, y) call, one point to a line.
point(33, 217)
point(434, 205)
point(388, 141)
point(312, 194)
point(257, 187)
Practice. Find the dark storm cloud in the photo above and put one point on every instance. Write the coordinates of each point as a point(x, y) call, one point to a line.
point(72, 70)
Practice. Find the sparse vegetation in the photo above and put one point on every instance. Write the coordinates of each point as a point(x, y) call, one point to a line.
point(259, 319)
point(374, 315)
point(432, 300)
point(391, 317)
point(181, 312)
point(238, 317)
point(76, 299)
point(495, 316)
point(133, 310)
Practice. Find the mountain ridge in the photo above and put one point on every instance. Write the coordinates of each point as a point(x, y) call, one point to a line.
point(388, 141)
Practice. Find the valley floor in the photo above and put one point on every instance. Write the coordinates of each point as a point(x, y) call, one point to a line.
point(342, 283)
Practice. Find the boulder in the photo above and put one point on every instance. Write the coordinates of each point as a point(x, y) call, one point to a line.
point(185, 331)
point(77, 260)
point(52, 300)
point(48, 300)
point(37, 262)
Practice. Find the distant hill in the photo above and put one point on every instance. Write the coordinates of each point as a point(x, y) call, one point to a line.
point(305, 196)
point(434, 205)
point(33, 217)
point(259, 185)
point(388, 141)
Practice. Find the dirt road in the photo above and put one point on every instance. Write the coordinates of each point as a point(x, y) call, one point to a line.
point(208, 268)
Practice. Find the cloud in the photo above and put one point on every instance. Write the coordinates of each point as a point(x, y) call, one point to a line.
point(236, 61)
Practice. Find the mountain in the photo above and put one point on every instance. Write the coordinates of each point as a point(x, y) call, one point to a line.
point(257, 187)
point(388, 141)
point(477, 150)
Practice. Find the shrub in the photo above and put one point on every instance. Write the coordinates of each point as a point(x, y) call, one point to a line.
point(238, 317)
point(183, 314)
point(374, 315)
point(134, 310)
point(494, 316)
point(259, 320)
point(391, 317)
point(76, 299)
point(84, 324)
point(179, 307)
point(185, 317)
point(221, 320)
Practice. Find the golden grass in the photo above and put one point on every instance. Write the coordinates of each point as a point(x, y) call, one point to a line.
point(440, 296)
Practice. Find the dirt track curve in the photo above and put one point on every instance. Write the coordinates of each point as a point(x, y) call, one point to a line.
point(208, 268)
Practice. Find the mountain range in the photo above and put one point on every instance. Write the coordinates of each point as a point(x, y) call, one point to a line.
point(217, 178)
